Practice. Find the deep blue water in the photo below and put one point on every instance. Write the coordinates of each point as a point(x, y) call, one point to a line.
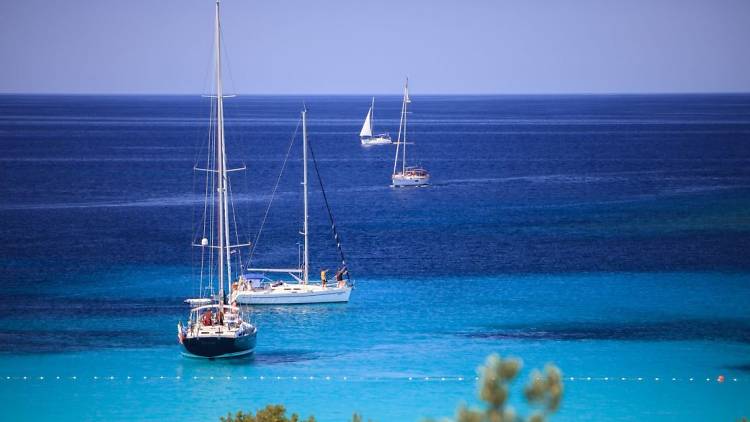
point(608, 234)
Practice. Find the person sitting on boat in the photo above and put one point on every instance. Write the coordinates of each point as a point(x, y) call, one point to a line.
point(207, 318)
point(220, 317)
point(323, 279)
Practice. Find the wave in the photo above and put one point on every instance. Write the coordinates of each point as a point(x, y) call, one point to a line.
point(151, 202)
point(731, 330)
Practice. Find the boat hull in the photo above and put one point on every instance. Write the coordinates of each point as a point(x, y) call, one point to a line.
point(377, 140)
point(220, 347)
point(334, 295)
point(404, 181)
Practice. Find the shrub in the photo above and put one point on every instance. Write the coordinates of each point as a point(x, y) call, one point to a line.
point(271, 413)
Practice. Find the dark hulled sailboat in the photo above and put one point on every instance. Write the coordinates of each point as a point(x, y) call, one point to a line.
point(215, 329)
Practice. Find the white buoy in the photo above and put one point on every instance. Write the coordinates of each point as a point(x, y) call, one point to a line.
point(204, 242)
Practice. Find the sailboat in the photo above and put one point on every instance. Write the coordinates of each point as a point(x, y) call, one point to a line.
point(366, 134)
point(406, 176)
point(255, 288)
point(215, 329)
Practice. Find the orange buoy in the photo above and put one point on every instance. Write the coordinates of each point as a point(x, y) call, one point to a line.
point(720, 379)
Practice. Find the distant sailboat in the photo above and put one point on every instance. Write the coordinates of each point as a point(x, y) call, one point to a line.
point(406, 176)
point(215, 329)
point(366, 134)
point(255, 288)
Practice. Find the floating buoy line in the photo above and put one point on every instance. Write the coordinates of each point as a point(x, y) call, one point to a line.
point(717, 379)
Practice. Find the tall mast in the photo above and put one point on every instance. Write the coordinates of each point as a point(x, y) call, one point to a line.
point(406, 102)
point(306, 256)
point(221, 172)
point(398, 140)
point(372, 114)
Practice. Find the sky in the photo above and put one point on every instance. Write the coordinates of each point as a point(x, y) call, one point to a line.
point(368, 47)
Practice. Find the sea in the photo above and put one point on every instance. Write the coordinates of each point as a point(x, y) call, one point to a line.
point(606, 234)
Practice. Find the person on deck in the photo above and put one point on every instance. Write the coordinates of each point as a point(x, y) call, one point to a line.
point(207, 317)
point(323, 279)
point(340, 277)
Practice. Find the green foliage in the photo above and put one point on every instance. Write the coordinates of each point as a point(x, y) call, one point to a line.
point(271, 413)
point(543, 391)
point(275, 413)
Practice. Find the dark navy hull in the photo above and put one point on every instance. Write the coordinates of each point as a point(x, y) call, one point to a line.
point(217, 347)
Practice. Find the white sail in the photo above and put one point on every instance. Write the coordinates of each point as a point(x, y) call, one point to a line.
point(366, 131)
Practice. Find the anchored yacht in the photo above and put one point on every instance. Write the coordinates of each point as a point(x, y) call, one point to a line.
point(256, 288)
point(406, 175)
point(215, 329)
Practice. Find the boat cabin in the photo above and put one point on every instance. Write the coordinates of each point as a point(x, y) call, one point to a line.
point(416, 172)
point(214, 315)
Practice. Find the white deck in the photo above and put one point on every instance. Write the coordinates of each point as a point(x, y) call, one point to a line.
point(230, 331)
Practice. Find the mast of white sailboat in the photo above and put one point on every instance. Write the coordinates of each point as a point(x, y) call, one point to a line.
point(398, 140)
point(306, 256)
point(372, 115)
point(221, 172)
point(406, 102)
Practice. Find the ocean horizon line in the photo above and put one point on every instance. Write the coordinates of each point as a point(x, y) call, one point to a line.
point(453, 95)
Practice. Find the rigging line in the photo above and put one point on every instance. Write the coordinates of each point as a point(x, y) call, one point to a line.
point(198, 144)
point(226, 57)
point(194, 226)
point(198, 153)
point(209, 145)
point(273, 193)
point(236, 227)
point(208, 69)
point(208, 212)
point(328, 208)
point(212, 210)
point(246, 235)
point(209, 185)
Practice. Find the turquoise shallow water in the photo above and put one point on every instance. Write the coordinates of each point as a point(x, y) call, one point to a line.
point(608, 234)
point(595, 325)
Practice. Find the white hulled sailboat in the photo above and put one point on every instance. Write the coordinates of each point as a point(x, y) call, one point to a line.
point(406, 176)
point(366, 134)
point(255, 288)
point(215, 329)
